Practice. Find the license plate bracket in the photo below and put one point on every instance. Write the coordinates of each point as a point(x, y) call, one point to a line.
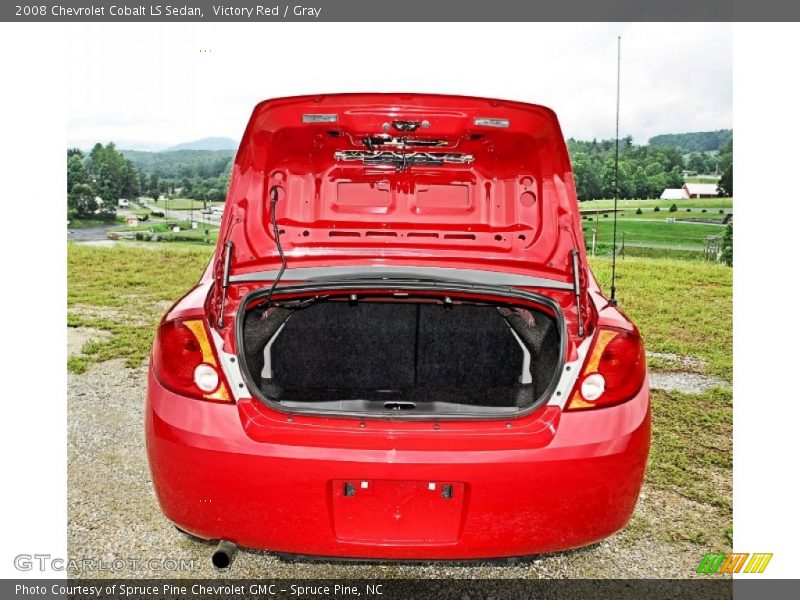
point(397, 512)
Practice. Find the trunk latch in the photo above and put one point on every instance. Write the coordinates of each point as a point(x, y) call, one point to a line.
point(399, 405)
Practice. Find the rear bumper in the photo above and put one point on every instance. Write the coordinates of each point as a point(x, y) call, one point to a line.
point(244, 473)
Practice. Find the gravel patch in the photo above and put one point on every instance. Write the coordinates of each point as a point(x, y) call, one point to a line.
point(113, 513)
point(679, 362)
point(685, 374)
point(685, 382)
point(77, 337)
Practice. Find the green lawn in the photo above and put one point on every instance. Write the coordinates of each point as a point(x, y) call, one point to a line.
point(185, 204)
point(649, 214)
point(84, 223)
point(126, 290)
point(642, 232)
point(702, 179)
point(681, 307)
point(626, 205)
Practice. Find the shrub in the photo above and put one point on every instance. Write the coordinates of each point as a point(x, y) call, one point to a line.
point(605, 215)
point(673, 208)
point(688, 210)
point(704, 210)
point(722, 212)
point(638, 211)
point(727, 245)
point(656, 209)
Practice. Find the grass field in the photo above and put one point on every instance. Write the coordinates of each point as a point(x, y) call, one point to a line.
point(84, 223)
point(649, 214)
point(702, 179)
point(186, 204)
point(682, 307)
point(654, 234)
point(626, 205)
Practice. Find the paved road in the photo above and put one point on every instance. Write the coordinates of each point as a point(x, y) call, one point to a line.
point(91, 234)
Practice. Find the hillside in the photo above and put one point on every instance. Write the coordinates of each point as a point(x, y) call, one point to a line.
point(209, 143)
point(179, 164)
point(696, 141)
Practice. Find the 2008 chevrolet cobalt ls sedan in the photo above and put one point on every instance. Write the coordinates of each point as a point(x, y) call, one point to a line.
point(398, 350)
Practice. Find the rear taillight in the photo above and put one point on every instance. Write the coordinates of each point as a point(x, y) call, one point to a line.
point(185, 362)
point(613, 373)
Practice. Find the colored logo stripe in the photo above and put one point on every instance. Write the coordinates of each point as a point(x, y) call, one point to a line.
point(719, 562)
point(758, 563)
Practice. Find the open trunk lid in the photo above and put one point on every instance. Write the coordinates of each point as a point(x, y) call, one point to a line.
point(404, 179)
point(404, 187)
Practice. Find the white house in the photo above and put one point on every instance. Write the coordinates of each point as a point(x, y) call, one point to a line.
point(674, 194)
point(700, 190)
point(123, 203)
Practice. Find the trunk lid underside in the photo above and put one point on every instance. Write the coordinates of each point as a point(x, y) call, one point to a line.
point(403, 180)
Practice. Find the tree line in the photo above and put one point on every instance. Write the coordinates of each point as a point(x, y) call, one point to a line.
point(98, 179)
point(644, 171)
point(102, 173)
point(110, 174)
point(198, 174)
point(694, 142)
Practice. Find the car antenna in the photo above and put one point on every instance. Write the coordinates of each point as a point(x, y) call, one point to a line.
point(613, 299)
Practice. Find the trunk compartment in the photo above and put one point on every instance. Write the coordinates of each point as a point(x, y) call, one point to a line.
point(401, 356)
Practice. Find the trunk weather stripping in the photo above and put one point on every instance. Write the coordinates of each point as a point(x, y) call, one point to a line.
point(440, 410)
point(433, 275)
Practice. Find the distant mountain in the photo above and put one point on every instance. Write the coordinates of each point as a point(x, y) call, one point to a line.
point(697, 141)
point(209, 143)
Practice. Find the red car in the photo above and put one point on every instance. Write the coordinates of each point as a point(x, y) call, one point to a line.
point(398, 350)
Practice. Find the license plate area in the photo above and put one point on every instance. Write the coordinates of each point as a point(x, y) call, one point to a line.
point(397, 512)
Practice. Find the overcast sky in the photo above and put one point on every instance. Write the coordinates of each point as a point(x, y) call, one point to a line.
point(155, 85)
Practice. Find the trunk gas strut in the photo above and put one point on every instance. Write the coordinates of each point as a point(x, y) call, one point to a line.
point(226, 277)
point(576, 288)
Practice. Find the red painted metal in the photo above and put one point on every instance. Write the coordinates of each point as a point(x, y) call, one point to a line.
point(546, 481)
point(553, 481)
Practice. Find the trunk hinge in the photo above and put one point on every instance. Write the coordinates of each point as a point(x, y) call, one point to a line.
point(576, 288)
point(226, 276)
